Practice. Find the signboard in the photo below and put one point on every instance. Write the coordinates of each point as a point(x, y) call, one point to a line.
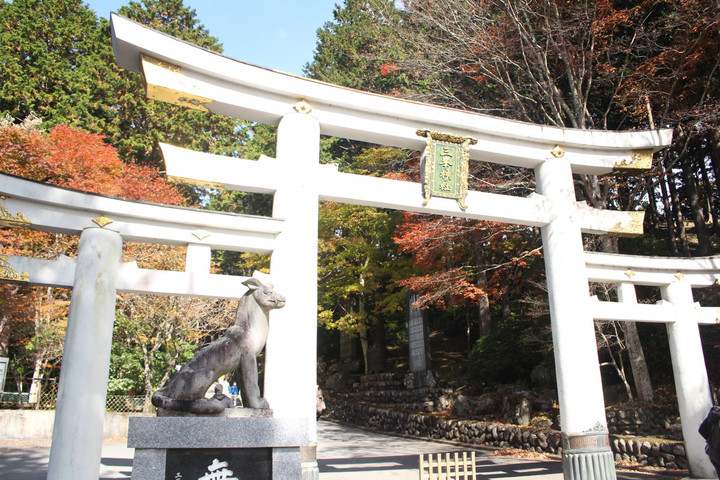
point(445, 166)
point(218, 464)
point(3, 372)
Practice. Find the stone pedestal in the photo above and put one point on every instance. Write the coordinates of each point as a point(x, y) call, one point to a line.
point(188, 447)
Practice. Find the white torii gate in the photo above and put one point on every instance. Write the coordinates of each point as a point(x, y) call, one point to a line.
point(675, 277)
point(303, 109)
point(95, 276)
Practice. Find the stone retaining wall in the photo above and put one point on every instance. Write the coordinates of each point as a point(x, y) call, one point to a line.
point(21, 424)
point(644, 422)
point(659, 453)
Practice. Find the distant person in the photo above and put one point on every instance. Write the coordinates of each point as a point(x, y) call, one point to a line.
point(319, 404)
point(221, 397)
point(225, 384)
point(710, 430)
point(234, 391)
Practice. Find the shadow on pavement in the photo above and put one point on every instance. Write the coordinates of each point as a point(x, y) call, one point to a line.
point(23, 463)
point(506, 469)
point(117, 462)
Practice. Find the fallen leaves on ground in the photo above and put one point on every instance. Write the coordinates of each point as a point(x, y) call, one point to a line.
point(518, 453)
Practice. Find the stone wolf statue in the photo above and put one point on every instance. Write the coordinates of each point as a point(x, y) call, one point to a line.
point(239, 347)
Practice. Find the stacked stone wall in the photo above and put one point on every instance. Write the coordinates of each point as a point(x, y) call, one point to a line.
point(644, 422)
point(649, 452)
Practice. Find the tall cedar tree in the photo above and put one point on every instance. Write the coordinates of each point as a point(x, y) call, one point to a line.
point(56, 61)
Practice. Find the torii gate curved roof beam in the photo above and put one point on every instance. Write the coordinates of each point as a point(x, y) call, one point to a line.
point(182, 73)
point(51, 208)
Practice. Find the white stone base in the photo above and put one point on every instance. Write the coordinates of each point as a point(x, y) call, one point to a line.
point(588, 466)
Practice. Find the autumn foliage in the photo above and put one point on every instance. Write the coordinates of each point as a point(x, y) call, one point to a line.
point(71, 158)
point(463, 261)
point(34, 320)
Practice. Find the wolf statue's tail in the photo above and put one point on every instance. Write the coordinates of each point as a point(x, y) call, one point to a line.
point(202, 406)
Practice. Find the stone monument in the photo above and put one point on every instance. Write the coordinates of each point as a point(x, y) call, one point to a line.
point(194, 437)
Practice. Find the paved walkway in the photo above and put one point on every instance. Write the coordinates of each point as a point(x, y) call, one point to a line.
point(344, 453)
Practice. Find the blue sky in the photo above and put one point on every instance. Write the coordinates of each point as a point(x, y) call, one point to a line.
point(277, 34)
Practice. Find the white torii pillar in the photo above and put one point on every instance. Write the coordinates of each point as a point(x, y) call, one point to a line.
point(676, 277)
point(291, 349)
point(80, 412)
point(691, 380)
point(586, 447)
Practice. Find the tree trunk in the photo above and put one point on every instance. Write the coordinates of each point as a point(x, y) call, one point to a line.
point(481, 282)
point(8, 291)
point(677, 214)
point(669, 216)
point(147, 380)
point(616, 360)
point(710, 198)
point(638, 365)
point(378, 345)
point(4, 334)
point(364, 343)
point(713, 142)
point(504, 298)
point(36, 383)
point(652, 218)
point(364, 346)
point(696, 208)
point(641, 375)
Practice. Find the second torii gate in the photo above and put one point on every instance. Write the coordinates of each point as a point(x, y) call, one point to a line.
point(304, 109)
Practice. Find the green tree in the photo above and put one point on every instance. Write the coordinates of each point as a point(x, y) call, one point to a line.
point(358, 268)
point(350, 52)
point(54, 63)
point(136, 124)
point(56, 60)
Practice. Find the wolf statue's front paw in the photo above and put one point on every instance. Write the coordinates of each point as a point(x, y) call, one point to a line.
point(258, 403)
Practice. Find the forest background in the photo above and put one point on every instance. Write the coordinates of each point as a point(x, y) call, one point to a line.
point(72, 118)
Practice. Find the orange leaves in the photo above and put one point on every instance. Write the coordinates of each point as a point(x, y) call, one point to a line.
point(84, 160)
point(443, 287)
point(72, 158)
point(145, 183)
point(678, 68)
point(388, 68)
point(462, 260)
point(158, 257)
point(609, 19)
point(25, 152)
